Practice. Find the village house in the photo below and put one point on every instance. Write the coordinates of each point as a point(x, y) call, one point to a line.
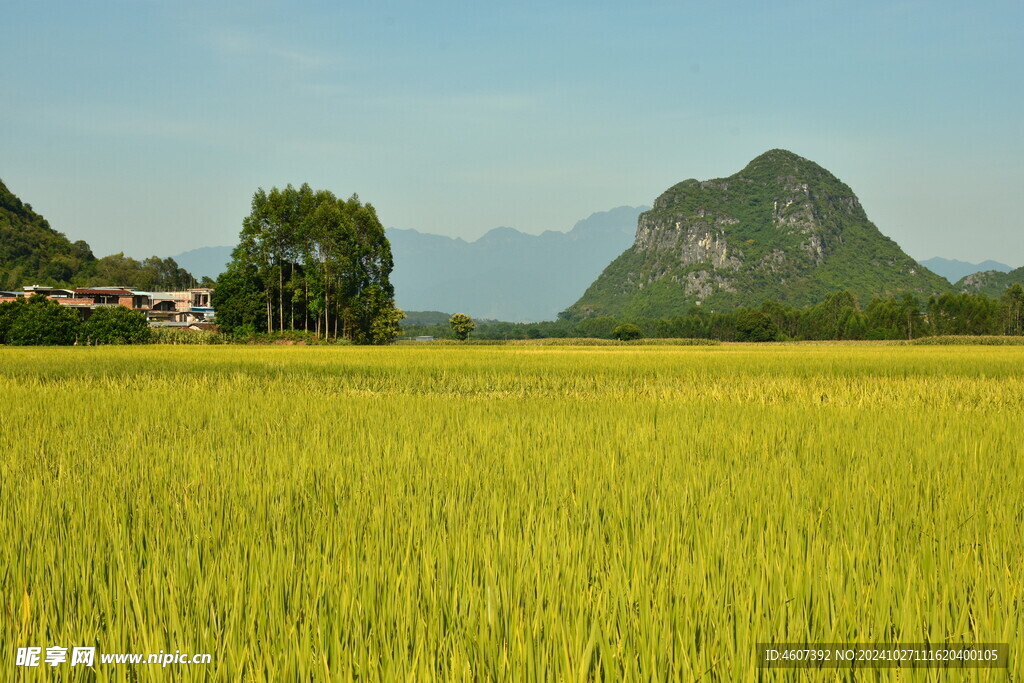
point(187, 307)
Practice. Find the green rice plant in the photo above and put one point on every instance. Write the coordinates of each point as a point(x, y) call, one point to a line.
point(518, 512)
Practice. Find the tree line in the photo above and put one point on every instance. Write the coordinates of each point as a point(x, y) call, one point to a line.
point(150, 274)
point(307, 260)
point(38, 321)
point(839, 317)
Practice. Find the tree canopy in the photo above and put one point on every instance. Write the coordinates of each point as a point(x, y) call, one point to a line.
point(116, 325)
point(462, 326)
point(38, 321)
point(151, 274)
point(628, 332)
point(307, 260)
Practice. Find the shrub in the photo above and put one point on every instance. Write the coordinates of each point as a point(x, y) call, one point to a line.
point(755, 326)
point(116, 325)
point(9, 312)
point(42, 322)
point(627, 332)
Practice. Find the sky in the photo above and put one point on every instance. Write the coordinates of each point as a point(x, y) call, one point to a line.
point(145, 126)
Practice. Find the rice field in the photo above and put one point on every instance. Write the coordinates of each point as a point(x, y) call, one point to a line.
point(508, 513)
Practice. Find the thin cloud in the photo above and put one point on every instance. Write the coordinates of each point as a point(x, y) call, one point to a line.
point(470, 102)
point(238, 43)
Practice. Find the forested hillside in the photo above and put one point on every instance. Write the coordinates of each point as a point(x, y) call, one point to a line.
point(990, 282)
point(33, 253)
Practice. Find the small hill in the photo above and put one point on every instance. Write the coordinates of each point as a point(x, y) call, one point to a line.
point(954, 270)
point(425, 318)
point(33, 252)
point(783, 228)
point(991, 282)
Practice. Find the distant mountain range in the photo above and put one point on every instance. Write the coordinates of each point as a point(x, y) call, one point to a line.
point(783, 228)
point(504, 275)
point(954, 270)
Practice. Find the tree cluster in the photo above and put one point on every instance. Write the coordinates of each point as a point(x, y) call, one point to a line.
point(152, 274)
point(840, 316)
point(38, 321)
point(116, 325)
point(307, 260)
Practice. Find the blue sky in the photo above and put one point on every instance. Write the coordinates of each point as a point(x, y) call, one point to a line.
point(146, 126)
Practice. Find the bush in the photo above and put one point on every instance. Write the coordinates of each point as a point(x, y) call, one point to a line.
point(41, 322)
point(116, 325)
point(755, 326)
point(9, 312)
point(627, 332)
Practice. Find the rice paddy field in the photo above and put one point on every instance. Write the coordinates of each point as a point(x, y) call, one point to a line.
point(508, 512)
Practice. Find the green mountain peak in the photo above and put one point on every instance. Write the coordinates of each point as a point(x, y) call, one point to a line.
point(783, 228)
point(779, 163)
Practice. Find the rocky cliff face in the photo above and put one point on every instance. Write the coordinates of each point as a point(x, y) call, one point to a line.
point(783, 228)
point(990, 282)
